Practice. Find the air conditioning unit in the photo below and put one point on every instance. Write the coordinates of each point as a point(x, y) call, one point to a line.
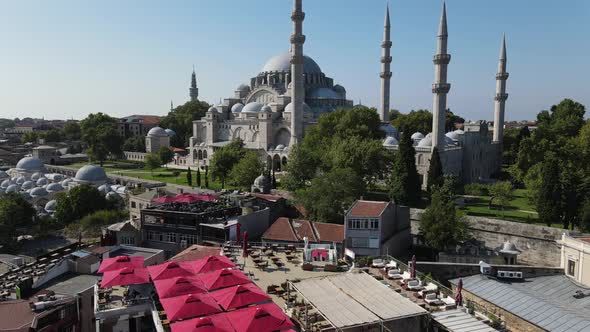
point(510, 274)
point(485, 268)
point(183, 244)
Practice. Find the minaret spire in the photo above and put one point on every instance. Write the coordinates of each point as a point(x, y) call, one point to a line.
point(501, 95)
point(193, 90)
point(440, 87)
point(385, 68)
point(298, 90)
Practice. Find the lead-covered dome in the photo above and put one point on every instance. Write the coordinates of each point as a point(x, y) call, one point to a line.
point(237, 108)
point(157, 132)
point(243, 88)
point(390, 141)
point(38, 192)
point(51, 206)
point(54, 187)
point(170, 132)
point(289, 107)
point(252, 107)
point(426, 141)
point(3, 175)
point(30, 165)
point(417, 136)
point(91, 174)
point(282, 63)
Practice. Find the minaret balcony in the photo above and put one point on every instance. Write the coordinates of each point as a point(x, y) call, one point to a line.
point(441, 59)
point(386, 44)
point(386, 74)
point(502, 76)
point(297, 39)
point(298, 16)
point(501, 96)
point(386, 59)
point(441, 88)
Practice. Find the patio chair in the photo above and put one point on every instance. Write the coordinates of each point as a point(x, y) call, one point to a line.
point(394, 274)
point(391, 265)
point(414, 285)
point(449, 302)
point(432, 299)
point(378, 263)
point(430, 288)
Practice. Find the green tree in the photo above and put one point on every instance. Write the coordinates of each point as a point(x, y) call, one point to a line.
point(189, 177)
point(246, 170)
point(181, 120)
point(435, 171)
point(549, 196)
point(415, 121)
point(7, 123)
point(404, 182)
point(72, 131)
point(225, 159)
point(15, 212)
point(78, 202)
point(440, 226)
point(501, 192)
point(134, 144)
point(152, 161)
point(53, 135)
point(29, 137)
point(585, 217)
point(100, 133)
point(166, 155)
point(330, 194)
point(90, 226)
point(199, 177)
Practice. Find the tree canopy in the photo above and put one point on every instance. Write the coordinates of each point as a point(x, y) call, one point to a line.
point(435, 171)
point(100, 133)
point(421, 121)
point(15, 212)
point(72, 131)
point(246, 170)
point(225, 158)
point(181, 118)
point(78, 202)
point(134, 144)
point(404, 182)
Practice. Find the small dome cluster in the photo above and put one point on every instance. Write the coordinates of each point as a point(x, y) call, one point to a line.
point(161, 132)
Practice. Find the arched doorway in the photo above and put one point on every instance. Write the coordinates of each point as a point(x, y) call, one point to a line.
point(276, 163)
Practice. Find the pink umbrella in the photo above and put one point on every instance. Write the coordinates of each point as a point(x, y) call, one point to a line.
point(459, 296)
point(239, 296)
point(119, 262)
point(224, 278)
point(125, 276)
point(171, 270)
point(189, 306)
point(212, 323)
point(164, 199)
point(179, 286)
point(245, 245)
point(212, 263)
point(260, 318)
point(191, 198)
point(413, 267)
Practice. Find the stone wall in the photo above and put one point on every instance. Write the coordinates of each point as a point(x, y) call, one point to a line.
point(537, 243)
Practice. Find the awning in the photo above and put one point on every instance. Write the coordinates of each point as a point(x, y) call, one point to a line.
point(213, 323)
point(125, 276)
point(239, 296)
point(260, 318)
point(224, 278)
point(120, 262)
point(212, 263)
point(171, 270)
point(179, 286)
point(189, 306)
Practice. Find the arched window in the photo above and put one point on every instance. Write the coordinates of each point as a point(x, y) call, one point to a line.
point(204, 154)
point(419, 159)
point(200, 155)
point(284, 162)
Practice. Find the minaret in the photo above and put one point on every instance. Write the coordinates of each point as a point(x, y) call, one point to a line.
point(501, 95)
point(194, 91)
point(385, 68)
point(440, 87)
point(298, 89)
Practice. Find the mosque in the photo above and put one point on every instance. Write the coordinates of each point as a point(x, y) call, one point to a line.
point(30, 178)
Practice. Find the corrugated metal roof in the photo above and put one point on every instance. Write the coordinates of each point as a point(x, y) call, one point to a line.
point(356, 298)
point(459, 321)
point(547, 301)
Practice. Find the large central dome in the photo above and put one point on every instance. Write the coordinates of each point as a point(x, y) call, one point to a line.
point(282, 63)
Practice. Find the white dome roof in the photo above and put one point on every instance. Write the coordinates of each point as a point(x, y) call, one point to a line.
point(452, 135)
point(459, 132)
point(282, 63)
point(390, 141)
point(30, 165)
point(12, 188)
point(426, 141)
point(51, 206)
point(21, 180)
point(37, 176)
point(388, 129)
point(237, 108)
point(280, 147)
point(54, 187)
point(417, 135)
point(243, 87)
point(38, 192)
point(42, 181)
point(213, 109)
point(157, 132)
point(105, 188)
point(6, 183)
point(27, 185)
point(266, 109)
point(66, 182)
point(170, 132)
point(289, 107)
point(252, 107)
point(91, 173)
point(57, 177)
point(3, 175)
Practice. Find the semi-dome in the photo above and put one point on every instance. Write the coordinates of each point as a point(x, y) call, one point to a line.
point(27, 185)
point(324, 93)
point(282, 63)
point(11, 188)
point(30, 165)
point(170, 132)
point(213, 109)
point(38, 192)
point(157, 132)
point(51, 206)
point(417, 135)
point(243, 88)
point(56, 177)
point(390, 141)
point(237, 108)
point(54, 187)
point(266, 109)
point(252, 107)
point(426, 141)
point(339, 89)
point(25, 195)
point(42, 182)
point(91, 174)
point(3, 175)
point(289, 107)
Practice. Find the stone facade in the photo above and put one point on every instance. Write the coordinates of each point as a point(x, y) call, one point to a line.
point(575, 258)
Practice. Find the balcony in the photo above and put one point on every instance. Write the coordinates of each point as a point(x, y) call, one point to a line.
point(443, 59)
point(441, 87)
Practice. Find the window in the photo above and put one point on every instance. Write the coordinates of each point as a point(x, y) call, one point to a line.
point(171, 237)
point(571, 268)
point(374, 223)
point(189, 238)
point(133, 205)
point(151, 235)
point(374, 242)
point(360, 242)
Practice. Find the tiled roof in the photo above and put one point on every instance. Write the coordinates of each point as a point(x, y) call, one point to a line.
point(329, 232)
point(367, 208)
point(20, 314)
point(146, 119)
point(196, 252)
point(303, 228)
point(281, 230)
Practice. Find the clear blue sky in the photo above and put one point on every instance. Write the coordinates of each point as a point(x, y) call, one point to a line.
point(63, 59)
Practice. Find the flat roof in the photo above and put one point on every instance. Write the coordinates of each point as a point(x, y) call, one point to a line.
point(134, 251)
point(546, 301)
point(355, 298)
point(72, 284)
point(457, 320)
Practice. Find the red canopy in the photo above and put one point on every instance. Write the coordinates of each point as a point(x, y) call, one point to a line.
point(261, 318)
point(239, 296)
point(164, 199)
point(320, 252)
point(224, 278)
point(125, 276)
point(189, 306)
point(213, 323)
point(212, 263)
point(119, 262)
point(191, 198)
point(179, 286)
point(171, 270)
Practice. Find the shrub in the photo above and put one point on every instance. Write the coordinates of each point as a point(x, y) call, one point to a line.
point(477, 189)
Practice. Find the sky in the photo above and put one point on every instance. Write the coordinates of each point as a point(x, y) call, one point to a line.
point(64, 59)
